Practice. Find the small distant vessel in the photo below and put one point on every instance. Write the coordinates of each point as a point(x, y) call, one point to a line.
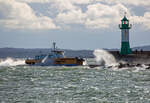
point(54, 58)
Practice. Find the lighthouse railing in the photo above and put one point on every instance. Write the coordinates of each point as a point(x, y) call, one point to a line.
point(127, 26)
point(130, 26)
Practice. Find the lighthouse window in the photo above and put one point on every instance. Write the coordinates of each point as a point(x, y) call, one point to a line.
point(124, 22)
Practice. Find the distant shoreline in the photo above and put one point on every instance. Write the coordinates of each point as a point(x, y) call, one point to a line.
point(31, 52)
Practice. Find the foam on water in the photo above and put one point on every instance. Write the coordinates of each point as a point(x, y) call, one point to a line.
point(11, 62)
point(104, 58)
point(69, 85)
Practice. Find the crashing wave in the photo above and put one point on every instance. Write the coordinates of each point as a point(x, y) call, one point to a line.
point(12, 62)
point(104, 58)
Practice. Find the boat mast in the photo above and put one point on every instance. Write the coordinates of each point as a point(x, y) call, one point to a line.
point(54, 46)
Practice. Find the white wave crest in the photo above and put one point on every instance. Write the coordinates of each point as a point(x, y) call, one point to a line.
point(11, 62)
point(104, 58)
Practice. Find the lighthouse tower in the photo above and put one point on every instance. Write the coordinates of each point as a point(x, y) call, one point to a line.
point(125, 45)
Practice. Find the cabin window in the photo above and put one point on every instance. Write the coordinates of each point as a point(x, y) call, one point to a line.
point(49, 56)
point(36, 57)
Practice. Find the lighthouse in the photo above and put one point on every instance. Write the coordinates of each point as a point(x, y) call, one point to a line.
point(125, 45)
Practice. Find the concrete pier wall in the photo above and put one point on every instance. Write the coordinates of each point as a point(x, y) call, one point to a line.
point(141, 57)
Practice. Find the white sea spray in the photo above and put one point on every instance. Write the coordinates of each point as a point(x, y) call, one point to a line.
point(11, 62)
point(104, 58)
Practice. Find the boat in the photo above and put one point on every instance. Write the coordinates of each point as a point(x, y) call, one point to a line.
point(55, 58)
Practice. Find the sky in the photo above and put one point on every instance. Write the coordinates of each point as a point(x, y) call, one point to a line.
point(72, 24)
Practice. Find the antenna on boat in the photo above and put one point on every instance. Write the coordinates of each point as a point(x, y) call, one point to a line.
point(54, 46)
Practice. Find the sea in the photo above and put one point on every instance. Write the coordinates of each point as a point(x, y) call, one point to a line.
point(20, 83)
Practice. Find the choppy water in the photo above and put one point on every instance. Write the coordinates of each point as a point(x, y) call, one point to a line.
point(24, 84)
point(32, 84)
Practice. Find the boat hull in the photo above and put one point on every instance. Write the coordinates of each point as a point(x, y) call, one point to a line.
point(57, 62)
point(32, 61)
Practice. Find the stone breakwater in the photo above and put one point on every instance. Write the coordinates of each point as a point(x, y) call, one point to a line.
point(137, 58)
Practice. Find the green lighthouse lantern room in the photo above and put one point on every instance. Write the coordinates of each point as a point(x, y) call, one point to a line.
point(125, 45)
